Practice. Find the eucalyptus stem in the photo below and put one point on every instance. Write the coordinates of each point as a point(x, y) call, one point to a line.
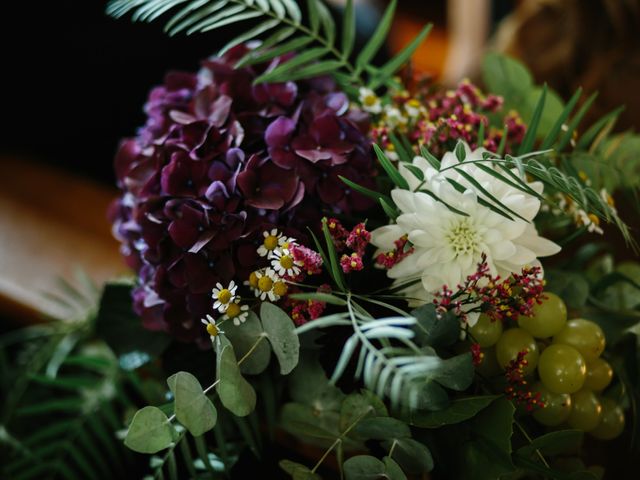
point(340, 438)
point(530, 440)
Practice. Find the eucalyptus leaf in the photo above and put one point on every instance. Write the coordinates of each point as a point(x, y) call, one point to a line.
point(434, 329)
point(235, 393)
point(458, 411)
point(243, 337)
point(149, 432)
point(193, 409)
point(555, 443)
point(281, 333)
point(298, 471)
point(572, 287)
point(358, 406)
point(364, 467)
point(382, 428)
point(393, 470)
point(414, 457)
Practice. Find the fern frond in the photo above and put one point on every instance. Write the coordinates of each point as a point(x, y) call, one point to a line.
point(278, 20)
point(392, 366)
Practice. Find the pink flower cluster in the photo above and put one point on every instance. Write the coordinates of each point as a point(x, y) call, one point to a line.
point(357, 240)
point(499, 299)
point(452, 115)
point(304, 311)
point(516, 389)
point(391, 258)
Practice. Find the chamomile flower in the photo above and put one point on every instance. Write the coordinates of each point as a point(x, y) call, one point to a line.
point(270, 243)
point(224, 296)
point(212, 329)
point(414, 108)
point(266, 281)
point(369, 101)
point(236, 312)
point(283, 263)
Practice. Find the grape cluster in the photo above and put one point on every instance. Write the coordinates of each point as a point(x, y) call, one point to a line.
point(565, 355)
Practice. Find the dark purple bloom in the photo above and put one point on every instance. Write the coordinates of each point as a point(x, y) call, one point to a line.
point(219, 161)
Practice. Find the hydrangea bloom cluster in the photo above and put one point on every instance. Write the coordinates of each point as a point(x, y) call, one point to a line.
point(218, 161)
point(439, 119)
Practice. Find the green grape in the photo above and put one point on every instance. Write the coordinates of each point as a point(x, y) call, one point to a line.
point(562, 369)
point(514, 341)
point(584, 335)
point(586, 412)
point(557, 406)
point(611, 421)
point(548, 318)
point(486, 332)
point(489, 366)
point(599, 375)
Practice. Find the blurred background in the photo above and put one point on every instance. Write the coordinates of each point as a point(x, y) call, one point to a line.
point(75, 82)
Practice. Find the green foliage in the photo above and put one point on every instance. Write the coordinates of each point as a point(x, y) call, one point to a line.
point(121, 328)
point(409, 376)
point(281, 333)
point(150, 431)
point(236, 394)
point(65, 421)
point(509, 78)
point(279, 20)
point(570, 286)
point(436, 330)
point(480, 448)
point(193, 408)
point(457, 411)
point(244, 338)
point(297, 470)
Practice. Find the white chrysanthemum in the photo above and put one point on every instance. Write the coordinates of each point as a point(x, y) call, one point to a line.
point(448, 246)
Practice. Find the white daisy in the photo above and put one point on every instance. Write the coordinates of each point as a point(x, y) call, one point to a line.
point(448, 246)
point(270, 243)
point(369, 101)
point(266, 281)
point(224, 296)
point(212, 329)
point(284, 264)
point(236, 312)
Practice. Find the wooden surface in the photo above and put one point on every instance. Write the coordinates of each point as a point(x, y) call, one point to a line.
point(51, 224)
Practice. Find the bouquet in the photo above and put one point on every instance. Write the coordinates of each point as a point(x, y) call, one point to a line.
point(406, 280)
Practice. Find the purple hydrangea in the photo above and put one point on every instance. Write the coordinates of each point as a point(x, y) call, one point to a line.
point(218, 161)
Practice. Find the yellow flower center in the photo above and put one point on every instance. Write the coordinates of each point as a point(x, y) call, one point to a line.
point(271, 242)
point(233, 310)
point(286, 261)
point(280, 288)
point(370, 100)
point(413, 103)
point(224, 296)
point(286, 245)
point(594, 219)
point(253, 280)
point(212, 330)
point(265, 284)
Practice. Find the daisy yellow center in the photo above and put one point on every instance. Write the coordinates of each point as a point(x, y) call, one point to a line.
point(280, 288)
point(253, 280)
point(286, 261)
point(270, 242)
point(233, 310)
point(224, 296)
point(212, 330)
point(265, 284)
point(370, 100)
point(463, 238)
